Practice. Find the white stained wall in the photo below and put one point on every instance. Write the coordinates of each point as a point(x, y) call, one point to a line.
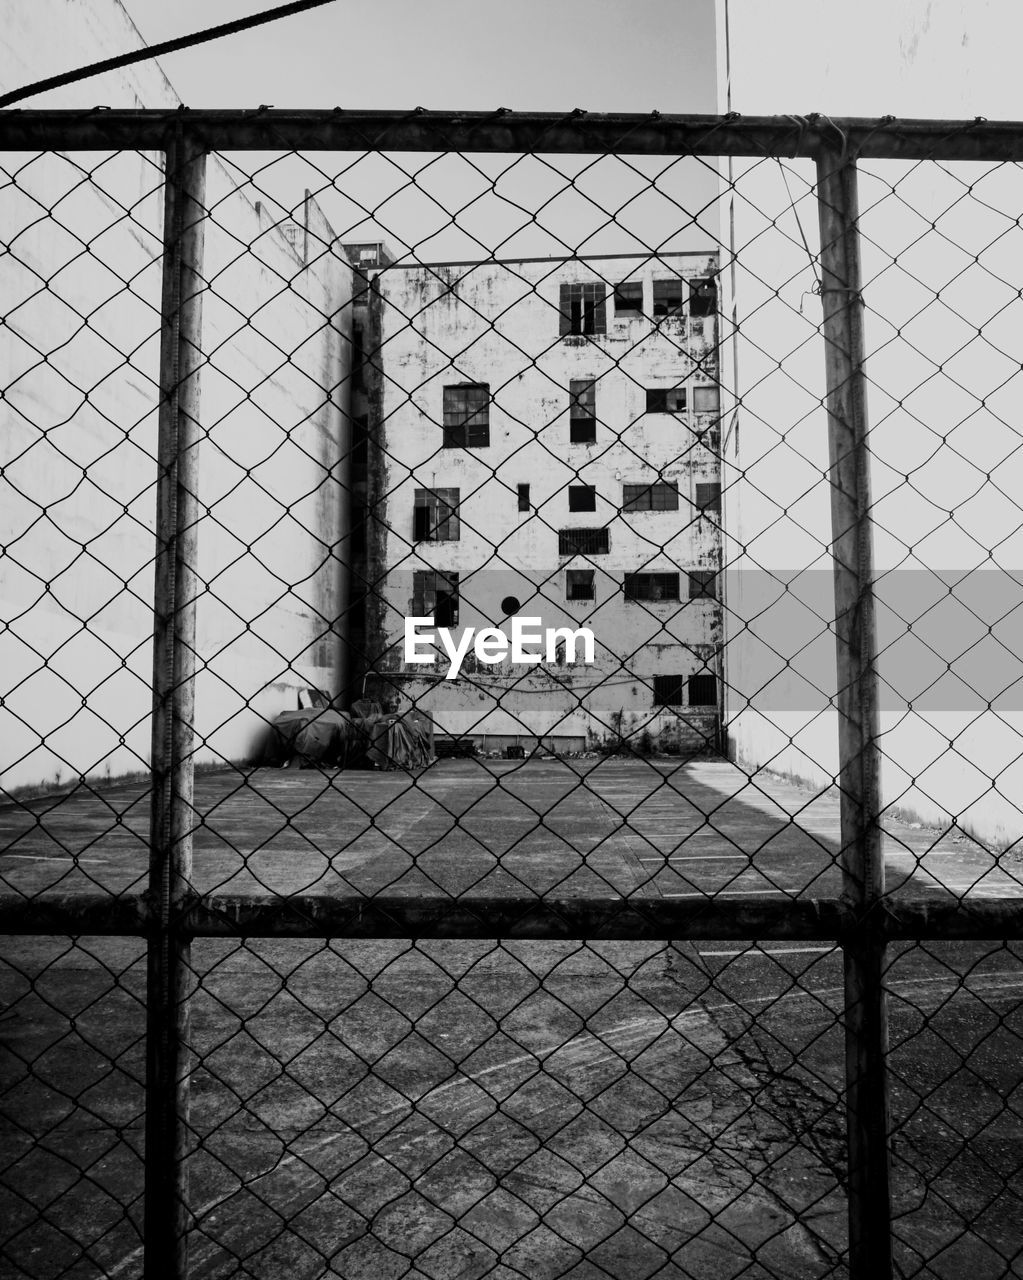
point(79, 366)
point(941, 254)
point(499, 324)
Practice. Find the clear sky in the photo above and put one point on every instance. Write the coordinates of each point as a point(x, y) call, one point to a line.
point(529, 55)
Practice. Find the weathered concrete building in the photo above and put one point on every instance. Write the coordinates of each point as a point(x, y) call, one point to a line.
point(544, 443)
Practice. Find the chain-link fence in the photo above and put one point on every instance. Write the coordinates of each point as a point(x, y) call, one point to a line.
point(438, 838)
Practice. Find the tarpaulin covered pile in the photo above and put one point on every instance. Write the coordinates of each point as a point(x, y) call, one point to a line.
point(319, 735)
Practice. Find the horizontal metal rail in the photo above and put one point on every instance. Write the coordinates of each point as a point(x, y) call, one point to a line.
point(941, 917)
point(577, 132)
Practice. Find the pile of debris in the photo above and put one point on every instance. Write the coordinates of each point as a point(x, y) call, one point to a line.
point(319, 736)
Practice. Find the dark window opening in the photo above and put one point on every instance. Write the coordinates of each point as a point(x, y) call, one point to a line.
point(703, 691)
point(703, 584)
point(523, 497)
point(582, 412)
point(669, 297)
point(510, 605)
point(435, 516)
point(579, 584)
point(662, 495)
point(703, 297)
point(666, 400)
point(467, 416)
point(706, 400)
point(669, 691)
point(651, 586)
point(629, 298)
point(583, 542)
point(435, 595)
point(583, 308)
point(708, 498)
point(582, 497)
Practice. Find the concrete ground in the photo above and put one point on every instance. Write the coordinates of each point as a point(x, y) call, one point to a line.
point(451, 1109)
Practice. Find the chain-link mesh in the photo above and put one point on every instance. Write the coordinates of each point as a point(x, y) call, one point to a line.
point(578, 962)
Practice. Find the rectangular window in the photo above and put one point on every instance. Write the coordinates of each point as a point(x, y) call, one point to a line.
point(665, 399)
point(523, 497)
point(669, 691)
point(703, 691)
point(651, 586)
point(702, 584)
point(582, 497)
point(628, 299)
point(435, 516)
point(583, 542)
point(582, 412)
point(435, 595)
point(669, 297)
point(703, 297)
point(467, 416)
point(579, 584)
point(583, 308)
point(706, 400)
point(708, 498)
point(662, 495)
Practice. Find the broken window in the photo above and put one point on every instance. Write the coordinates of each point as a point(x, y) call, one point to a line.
point(582, 412)
point(435, 516)
point(435, 595)
point(703, 297)
point(662, 495)
point(523, 497)
point(651, 586)
point(583, 308)
point(467, 416)
point(583, 542)
point(665, 399)
point(703, 691)
point(669, 691)
point(582, 497)
point(702, 584)
point(706, 400)
point(669, 297)
point(579, 584)
point(628, 296)
point(708, 498)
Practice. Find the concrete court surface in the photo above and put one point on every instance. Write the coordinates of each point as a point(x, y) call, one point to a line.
point(478, 1109)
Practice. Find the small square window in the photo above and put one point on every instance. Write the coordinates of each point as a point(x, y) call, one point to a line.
point(702, 584)
point(651, 586)
point(706, 400)
point(703, 691)
point(703, 297)
point(523, 497)
point(628, 299)
point(467, 416)
point(669, 297)
point(435, 516)
point(665, 399)
point(669, 691)
point(579, 584)
point(708, 498)
point(582, 497)
point(583, 308)
point(583, 542)
point(435, 595)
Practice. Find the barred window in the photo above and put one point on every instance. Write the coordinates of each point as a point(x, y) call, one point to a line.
point(435, 595)
point(435, 516)
point(582, 411)
point(665, 399)
point(703, 691)
point(708, 498)
point(706, 400)
point(467, 416)
point(628, 296)
point(662, 495)
point(582, 497)
point(669, 297)
point(651, 586)
point(583, 542)
point(583, 308)
point(579, 584)
point(703, 297)
point(703, 584)
point(669, 691)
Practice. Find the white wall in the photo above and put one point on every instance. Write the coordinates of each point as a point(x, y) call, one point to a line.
point(941, 253)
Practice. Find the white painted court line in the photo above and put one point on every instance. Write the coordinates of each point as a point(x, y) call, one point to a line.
point(692, 857)
point(728, 893)
point(775, 951)
point(54, 857)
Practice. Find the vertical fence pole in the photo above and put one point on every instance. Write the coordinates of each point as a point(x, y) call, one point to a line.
point(866, 1014)
point(172, 814)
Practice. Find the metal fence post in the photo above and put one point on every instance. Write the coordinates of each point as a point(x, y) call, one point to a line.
point(866, 1015)
point(172, 814)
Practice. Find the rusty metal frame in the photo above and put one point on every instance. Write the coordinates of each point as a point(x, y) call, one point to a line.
point(862, 921)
